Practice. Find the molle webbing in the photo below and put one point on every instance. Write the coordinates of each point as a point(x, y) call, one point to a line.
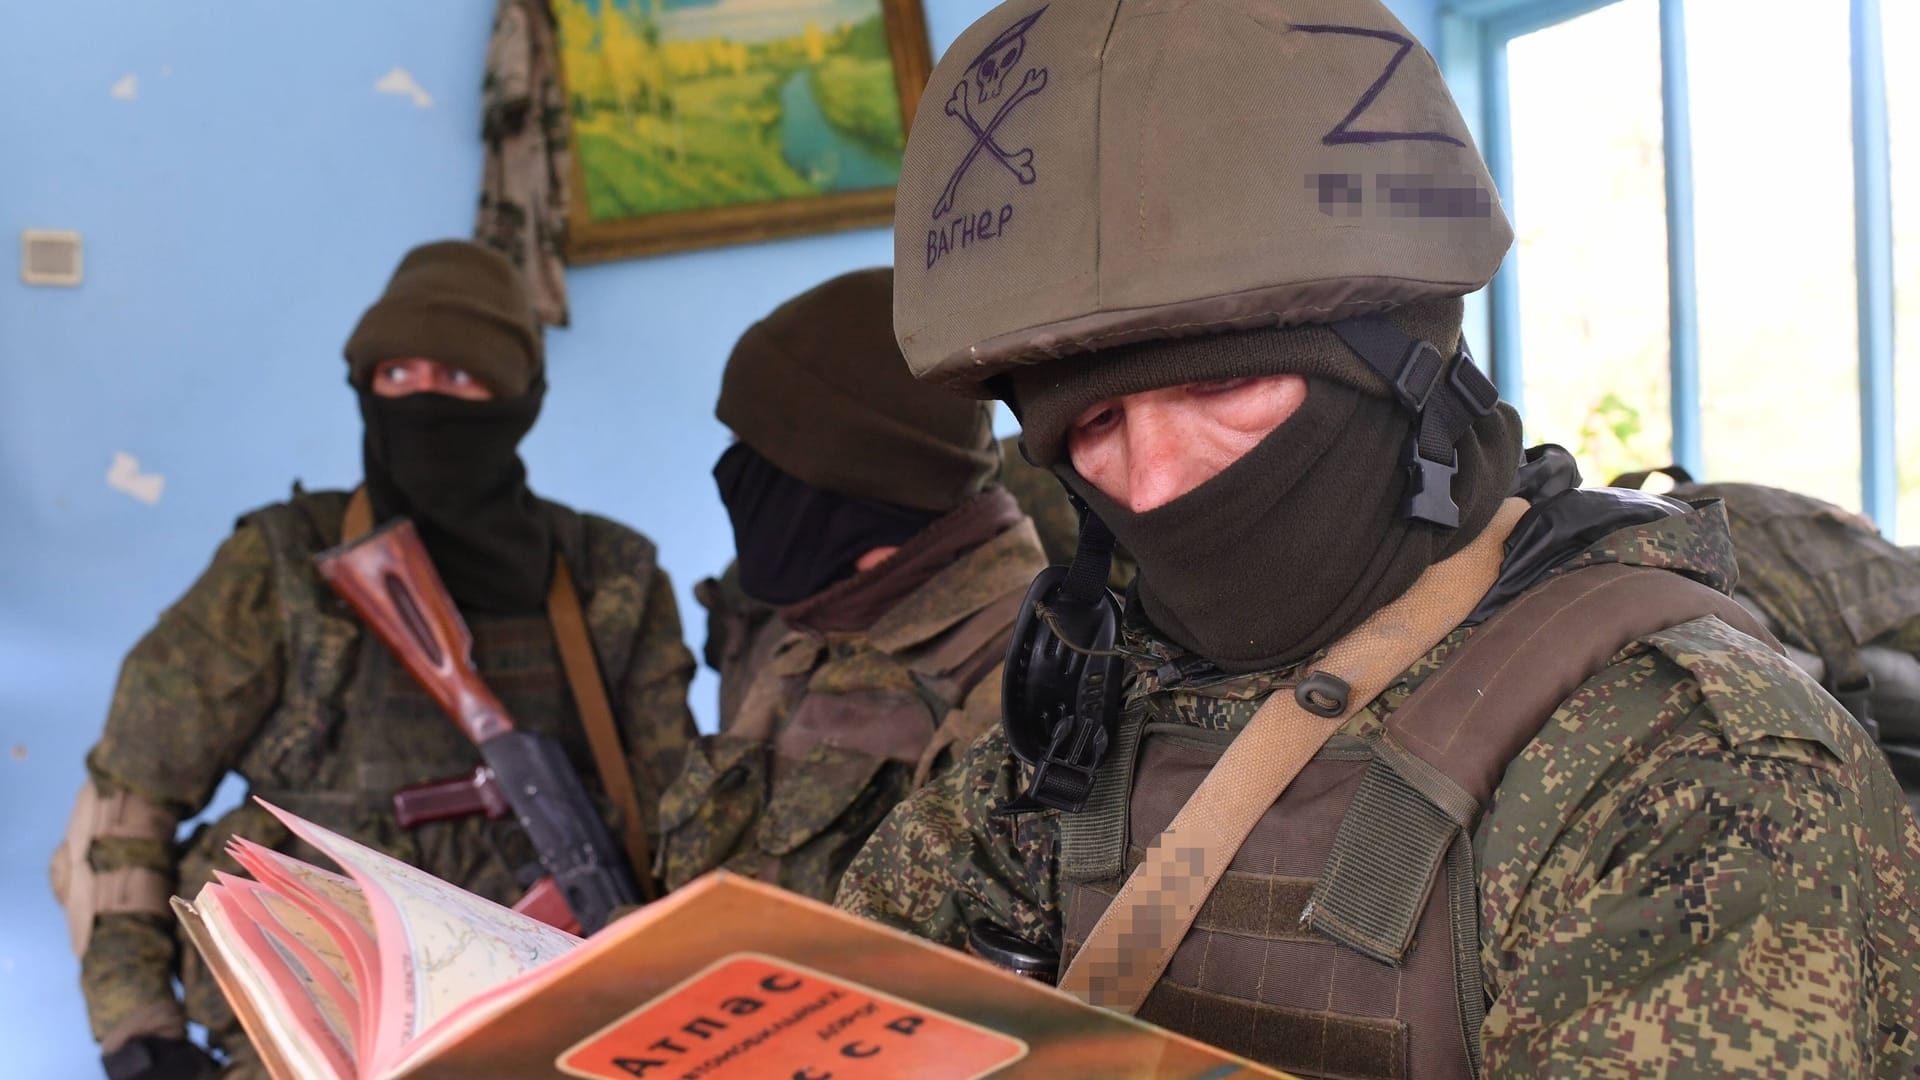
point(588, 687)
point(1129, 949)
point(1251, 977)
point(1365, 835)
point(1093, 842)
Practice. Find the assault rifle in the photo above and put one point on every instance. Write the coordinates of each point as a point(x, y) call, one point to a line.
point(388, 578)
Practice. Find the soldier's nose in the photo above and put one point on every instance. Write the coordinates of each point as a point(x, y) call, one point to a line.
point(1156, 457)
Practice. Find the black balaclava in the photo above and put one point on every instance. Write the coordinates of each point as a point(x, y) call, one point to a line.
point(792, 539)
point(453, 467)
point(1296, 543)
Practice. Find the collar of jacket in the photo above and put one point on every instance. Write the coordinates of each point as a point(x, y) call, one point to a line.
point(933, 581)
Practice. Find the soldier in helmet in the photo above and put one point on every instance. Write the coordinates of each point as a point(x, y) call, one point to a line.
point(1405, 755)
point(259, 669)
point(859, 635)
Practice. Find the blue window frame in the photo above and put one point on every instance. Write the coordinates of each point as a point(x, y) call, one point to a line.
point(1473, 49)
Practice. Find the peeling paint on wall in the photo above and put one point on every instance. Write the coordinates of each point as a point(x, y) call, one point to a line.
point(400, 81)
point(124, 476)
point(127, 88)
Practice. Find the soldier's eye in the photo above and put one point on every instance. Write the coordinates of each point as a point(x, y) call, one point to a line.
point(458, 377)
point(395, 374)
point(1097, 419)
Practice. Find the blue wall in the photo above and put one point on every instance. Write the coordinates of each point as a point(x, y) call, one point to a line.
point(240, 207)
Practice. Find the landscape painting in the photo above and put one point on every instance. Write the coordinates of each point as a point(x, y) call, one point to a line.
point(699, 122)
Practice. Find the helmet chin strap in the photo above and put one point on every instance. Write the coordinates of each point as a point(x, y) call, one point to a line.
point(1061, 686)
point(1061, 689)
point(1445, 397)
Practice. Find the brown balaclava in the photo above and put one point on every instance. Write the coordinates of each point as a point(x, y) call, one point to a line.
point(840, 450)
point(820, 389)
point(453, 466)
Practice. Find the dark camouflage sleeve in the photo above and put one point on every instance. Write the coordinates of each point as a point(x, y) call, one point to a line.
point(942, 859)
point(652, 700)
point(1710, 905)
point(192, 694)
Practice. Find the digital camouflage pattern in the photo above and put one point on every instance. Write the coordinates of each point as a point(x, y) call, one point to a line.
point(524, 177)
point(1825, 576)
point(259, 669)
point(831, 730)
point(1700, 866)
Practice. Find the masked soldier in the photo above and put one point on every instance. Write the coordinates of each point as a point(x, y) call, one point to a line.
point(883, 568)
point(1406, 756)
point(259, 669)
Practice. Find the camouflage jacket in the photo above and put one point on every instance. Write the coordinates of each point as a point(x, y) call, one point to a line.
point(524, 182)
point(1699, 867)
point(833, 727)
point(259, 669)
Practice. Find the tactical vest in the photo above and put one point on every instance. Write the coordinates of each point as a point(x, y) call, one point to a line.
point(1344, 939)
point(351, 726)
point(833, 729)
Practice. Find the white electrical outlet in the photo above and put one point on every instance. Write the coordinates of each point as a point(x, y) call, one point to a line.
point(49, 257)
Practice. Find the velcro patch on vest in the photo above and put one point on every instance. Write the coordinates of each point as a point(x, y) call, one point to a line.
point(1246, 905)
point(1311, 1042)
point(1384, 862)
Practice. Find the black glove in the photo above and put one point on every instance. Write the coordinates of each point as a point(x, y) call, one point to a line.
point(155, 1057)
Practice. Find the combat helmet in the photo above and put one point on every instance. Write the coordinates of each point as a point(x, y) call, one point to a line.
point(1089, 174)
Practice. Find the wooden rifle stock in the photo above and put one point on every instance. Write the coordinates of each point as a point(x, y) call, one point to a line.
point(388, 578)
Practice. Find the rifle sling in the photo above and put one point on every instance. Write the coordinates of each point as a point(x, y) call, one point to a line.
point(589, 694)
point(1129, 947)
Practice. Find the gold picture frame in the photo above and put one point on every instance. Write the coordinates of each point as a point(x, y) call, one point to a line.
point(637, 95)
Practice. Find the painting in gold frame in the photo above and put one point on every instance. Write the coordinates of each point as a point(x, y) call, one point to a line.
point(704, 122)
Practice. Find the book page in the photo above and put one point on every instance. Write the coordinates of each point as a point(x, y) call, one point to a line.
point(278, 984)
point(337, 904)
point(323, 968)
point(440, 946)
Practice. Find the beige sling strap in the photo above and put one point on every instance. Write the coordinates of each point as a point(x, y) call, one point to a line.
point(359, 520)
point(589, 695)
point(1128, 949)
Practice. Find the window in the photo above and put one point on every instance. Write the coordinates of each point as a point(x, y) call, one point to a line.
point(1901, 22)
point(1773, 232)
point(1591, 237)
point(1704, 267)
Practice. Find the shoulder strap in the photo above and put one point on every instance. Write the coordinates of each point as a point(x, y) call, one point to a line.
point(1135, 938)
point(583, 679)
point(1638, 480)
point(596, 715)
point(359, 520)
point(1490, 700)
point(1444, 751)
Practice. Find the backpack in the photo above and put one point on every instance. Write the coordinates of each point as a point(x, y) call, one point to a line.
point(1843, 598)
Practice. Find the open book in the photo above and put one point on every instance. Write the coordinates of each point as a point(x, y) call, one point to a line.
point(390, 972)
